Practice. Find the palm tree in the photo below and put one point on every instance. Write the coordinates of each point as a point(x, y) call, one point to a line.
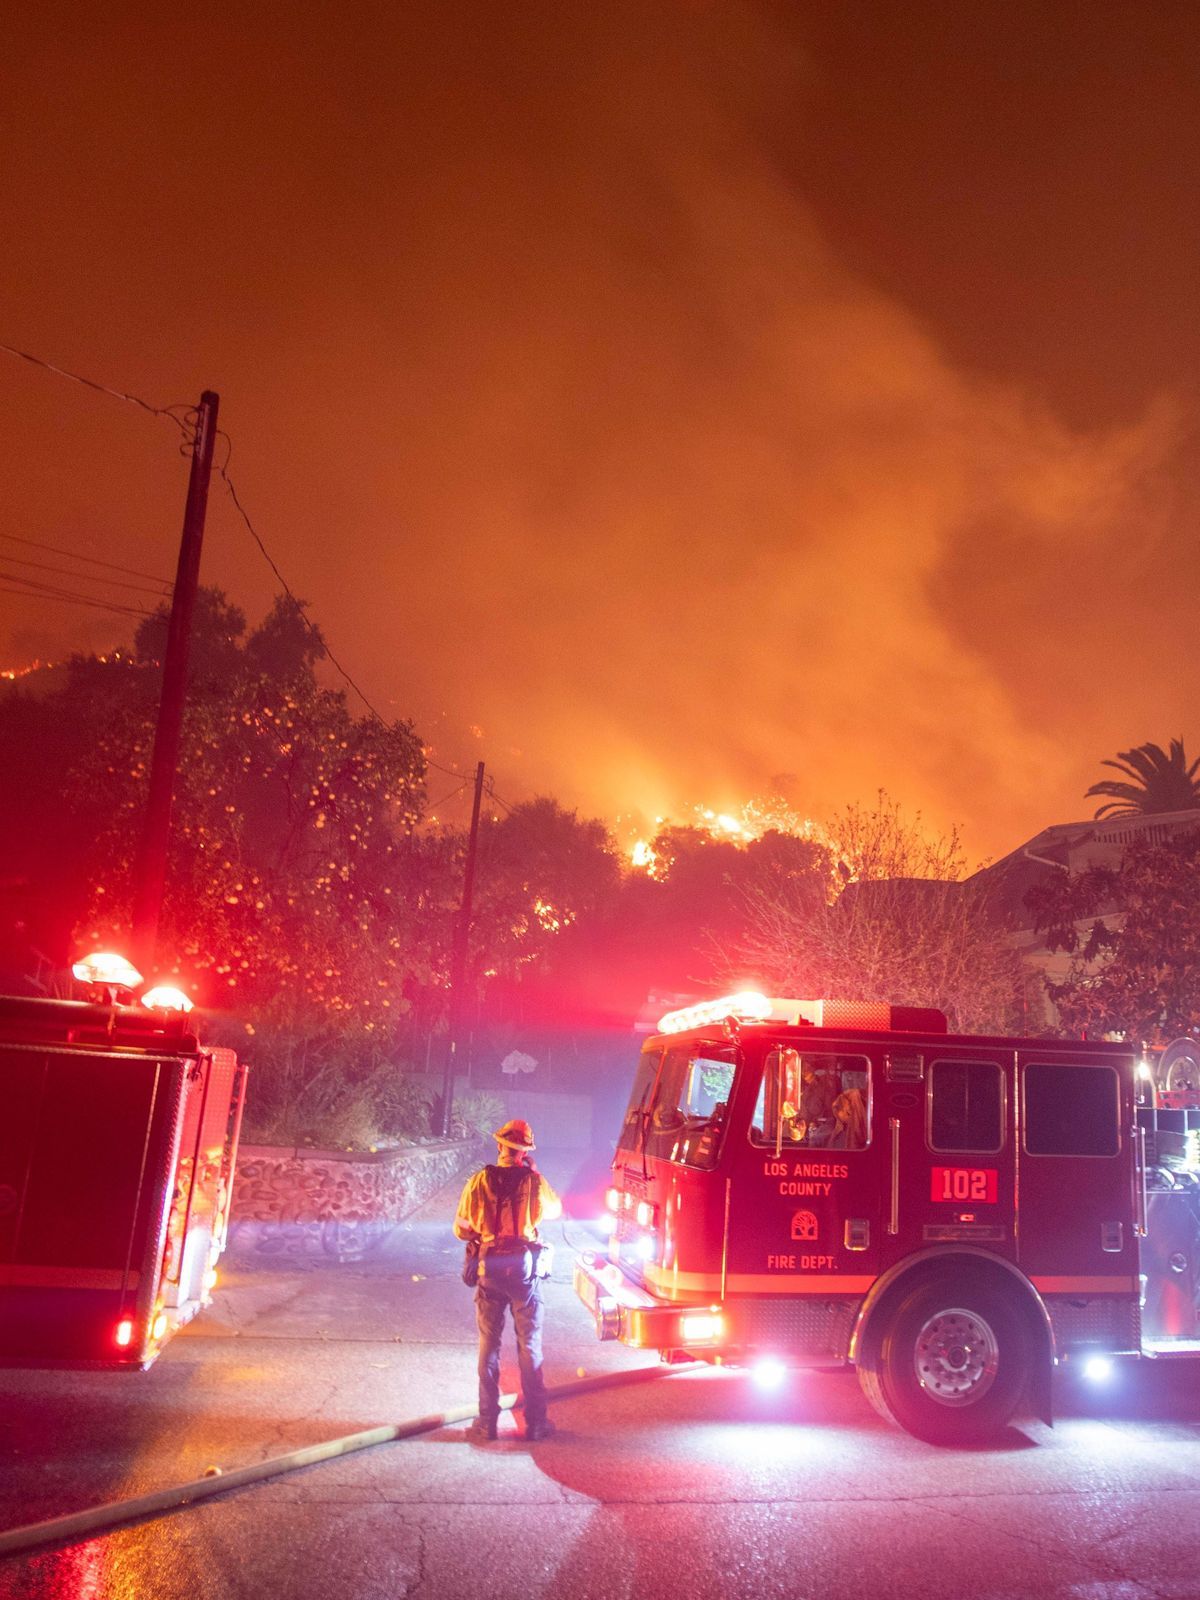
point(1162, 782)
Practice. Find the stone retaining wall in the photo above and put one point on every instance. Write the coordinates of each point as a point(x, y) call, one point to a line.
point(334, 1203)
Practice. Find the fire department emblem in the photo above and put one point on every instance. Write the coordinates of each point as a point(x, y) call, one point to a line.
point(804, 1225)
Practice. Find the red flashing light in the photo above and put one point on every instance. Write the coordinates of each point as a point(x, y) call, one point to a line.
point(124, 1334)
point(165, 997)
point(108, 968)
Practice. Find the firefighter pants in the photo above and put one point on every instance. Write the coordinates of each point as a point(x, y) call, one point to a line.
point(505, 1284)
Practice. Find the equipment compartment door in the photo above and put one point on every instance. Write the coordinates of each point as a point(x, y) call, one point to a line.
point(1076, 1220)
point(89, 1166)
point(945, 1150)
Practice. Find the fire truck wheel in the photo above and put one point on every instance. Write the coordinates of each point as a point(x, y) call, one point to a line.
point(952, 1364)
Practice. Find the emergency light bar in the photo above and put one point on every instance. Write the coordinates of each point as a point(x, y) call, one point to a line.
point(748, 1005)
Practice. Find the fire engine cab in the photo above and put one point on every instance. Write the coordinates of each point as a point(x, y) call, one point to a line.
point(830, 1183)
point(118, 1137)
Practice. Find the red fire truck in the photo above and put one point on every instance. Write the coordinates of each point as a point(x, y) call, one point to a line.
point(822, 1183)
point(118, 1136)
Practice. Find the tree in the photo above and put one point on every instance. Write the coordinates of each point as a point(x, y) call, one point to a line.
point(296, 890)
point(894, 924)
point(541, 869)
point(215, 652)
point(1133, 935)
point(285, 884)
point(285, 646)
point(1161, 782)
point(873, 843)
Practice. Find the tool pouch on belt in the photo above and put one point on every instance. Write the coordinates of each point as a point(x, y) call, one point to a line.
point(470, 1266)
point(530, 1265)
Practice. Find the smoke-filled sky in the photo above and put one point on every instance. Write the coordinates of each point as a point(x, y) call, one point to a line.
point(651, 400)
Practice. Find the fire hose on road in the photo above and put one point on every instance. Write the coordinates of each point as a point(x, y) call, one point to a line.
point(60, 1530)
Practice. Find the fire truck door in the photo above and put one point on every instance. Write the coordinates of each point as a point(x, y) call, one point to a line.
point(945, 1156)
point(1076, 1222)
point(802, 1213)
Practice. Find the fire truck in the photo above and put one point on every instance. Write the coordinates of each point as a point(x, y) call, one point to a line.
point(118, 1138)
point(823, 1183)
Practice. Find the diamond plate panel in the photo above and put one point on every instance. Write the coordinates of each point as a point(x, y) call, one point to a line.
point(1115, 1324)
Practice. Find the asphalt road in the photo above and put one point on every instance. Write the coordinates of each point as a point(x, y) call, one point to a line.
point(693, 1485)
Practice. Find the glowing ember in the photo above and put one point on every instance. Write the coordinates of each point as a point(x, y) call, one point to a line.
point(549, 918)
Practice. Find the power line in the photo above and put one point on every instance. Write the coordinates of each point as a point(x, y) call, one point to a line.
point(183, 424)
point(316, 632)
point(72, 599)
point(78, 555)
point(102, 388)
point(85, 577)
point(286, 587)
point(449, 772)
point(436, 805)
point(36, 587)
point(490, 788)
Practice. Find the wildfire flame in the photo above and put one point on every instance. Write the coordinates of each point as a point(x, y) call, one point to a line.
point(756, 817)
point(11, 674)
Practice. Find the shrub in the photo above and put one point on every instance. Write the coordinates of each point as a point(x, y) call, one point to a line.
point(402, 1105)
point(477, 1114)
point(315, 1086)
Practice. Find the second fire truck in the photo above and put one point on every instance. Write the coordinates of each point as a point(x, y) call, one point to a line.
point(118, 1139)
point(824, 1183)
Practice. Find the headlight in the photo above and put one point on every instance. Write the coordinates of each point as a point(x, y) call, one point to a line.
point(701, 1327)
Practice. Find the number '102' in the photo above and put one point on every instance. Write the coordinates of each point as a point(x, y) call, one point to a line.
point(975, 1185)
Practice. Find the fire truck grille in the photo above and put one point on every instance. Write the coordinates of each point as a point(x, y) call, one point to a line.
point(634, 1184)
point(1112, 1324)
point(812, 1329)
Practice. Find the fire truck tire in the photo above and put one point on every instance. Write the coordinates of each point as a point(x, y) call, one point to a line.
point(952, 1363)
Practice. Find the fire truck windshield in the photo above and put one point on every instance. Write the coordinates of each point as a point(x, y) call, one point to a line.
point(678, 1105)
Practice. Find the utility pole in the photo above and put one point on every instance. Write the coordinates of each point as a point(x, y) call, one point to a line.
point(151, 870)
point(458, 960)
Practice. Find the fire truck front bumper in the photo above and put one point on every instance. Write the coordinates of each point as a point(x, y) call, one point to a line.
point(623, 1310)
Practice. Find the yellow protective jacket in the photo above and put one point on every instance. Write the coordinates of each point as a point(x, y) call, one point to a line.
point(484, 1214)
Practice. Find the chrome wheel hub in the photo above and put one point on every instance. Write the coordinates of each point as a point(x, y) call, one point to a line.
point(956, 1357)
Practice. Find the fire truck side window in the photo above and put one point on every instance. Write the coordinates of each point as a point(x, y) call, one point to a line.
point(966, 1106)
point(1071, 1111)
point(634, 1128)
point(688, 1115)
point(814, 1101)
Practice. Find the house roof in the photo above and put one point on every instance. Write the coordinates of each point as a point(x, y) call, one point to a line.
point(1072, 847)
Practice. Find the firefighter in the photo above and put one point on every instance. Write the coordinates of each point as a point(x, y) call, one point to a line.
point(817, 1092)
point(501, 1207)
point(809, 1119)
point(850, 1116)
